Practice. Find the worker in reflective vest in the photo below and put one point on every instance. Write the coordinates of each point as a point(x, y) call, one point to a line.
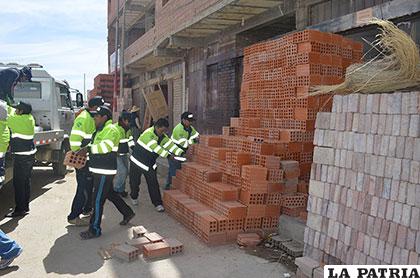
point(126, 142)
point(152, 143)
point(4, 139)
point(9, 249)
point(22, 128)
point(103, 165)
point(183, 135)
point(80, 137)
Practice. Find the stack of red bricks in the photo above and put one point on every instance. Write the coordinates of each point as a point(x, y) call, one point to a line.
point(242, 180)
point(364, 203)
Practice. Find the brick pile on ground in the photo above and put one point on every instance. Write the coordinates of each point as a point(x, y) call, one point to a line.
point(150, 244)
point(241, 181)
point(364, 202)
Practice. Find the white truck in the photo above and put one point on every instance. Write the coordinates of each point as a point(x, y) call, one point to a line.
point(53, 110)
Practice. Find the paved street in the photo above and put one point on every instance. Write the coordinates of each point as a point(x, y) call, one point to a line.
point(52, 248)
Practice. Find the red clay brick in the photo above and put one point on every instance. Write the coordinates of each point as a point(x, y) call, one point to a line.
point(138, 242)
point(175, 246)
point(249, 239)
point(156, 250)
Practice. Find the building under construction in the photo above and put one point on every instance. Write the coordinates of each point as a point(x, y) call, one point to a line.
point(194, 49)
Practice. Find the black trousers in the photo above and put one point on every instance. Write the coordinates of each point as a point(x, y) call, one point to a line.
point(22, 173)
point(152, 183)
point(103, 189)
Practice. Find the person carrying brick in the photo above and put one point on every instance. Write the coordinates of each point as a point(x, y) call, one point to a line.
point(126, 142)
point(80, 137)
point(22, 129)
point(103, 165)
point(183, 135)
point(152, 143)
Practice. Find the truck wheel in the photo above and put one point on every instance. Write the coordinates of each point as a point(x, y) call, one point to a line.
point(59, 168)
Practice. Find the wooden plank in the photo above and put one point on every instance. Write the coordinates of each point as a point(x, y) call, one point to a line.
point(147, 118)
point(156, 103)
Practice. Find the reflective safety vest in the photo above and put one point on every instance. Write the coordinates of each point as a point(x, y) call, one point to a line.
point(150, 146)
point(4, 138)
point(126, 141)
point(103, 150)
point(22, 128)
point(82, 131)
point(183, 136)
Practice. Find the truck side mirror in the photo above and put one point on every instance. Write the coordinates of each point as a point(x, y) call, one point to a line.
point(79, 100)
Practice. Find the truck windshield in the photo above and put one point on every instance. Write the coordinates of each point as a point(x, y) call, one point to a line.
point(28, 90)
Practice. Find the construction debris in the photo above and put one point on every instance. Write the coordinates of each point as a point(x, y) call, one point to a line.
point(151, 245)
point(104, 254)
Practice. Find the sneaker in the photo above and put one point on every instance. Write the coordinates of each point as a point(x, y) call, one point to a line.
point(86, 214)
point(127, 219)
point(135, 202)
point(79, 221)
point(124, 194)
point(160, 208)
point(88, 235)
point(4, 263)
point(15, 213)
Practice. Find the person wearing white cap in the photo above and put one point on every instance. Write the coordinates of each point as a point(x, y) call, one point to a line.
point(183, 135)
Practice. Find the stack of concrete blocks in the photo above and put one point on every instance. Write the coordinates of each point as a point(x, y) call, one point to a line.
point(364, 202)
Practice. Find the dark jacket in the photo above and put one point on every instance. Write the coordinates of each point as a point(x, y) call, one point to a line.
point(8, 79)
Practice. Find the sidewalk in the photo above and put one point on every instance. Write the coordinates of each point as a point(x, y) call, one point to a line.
point(52, 248)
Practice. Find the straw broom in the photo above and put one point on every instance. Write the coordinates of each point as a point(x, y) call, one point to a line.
point(396, 67)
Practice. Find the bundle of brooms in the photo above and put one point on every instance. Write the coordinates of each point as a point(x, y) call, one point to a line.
point(396, 67)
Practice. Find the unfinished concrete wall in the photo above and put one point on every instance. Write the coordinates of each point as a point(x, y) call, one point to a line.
point(364, 203)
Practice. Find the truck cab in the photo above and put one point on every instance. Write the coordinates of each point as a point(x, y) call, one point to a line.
point(53, 110)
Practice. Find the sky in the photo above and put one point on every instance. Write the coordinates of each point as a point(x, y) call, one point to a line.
point(67, 37)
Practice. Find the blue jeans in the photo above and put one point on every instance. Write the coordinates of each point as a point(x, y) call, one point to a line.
point(8, 247)
point(82, 201)
point(122, 173)
point(173, 166)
